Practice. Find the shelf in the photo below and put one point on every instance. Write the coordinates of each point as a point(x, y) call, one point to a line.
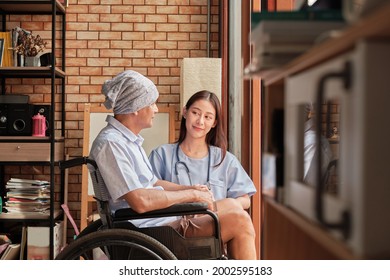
point(29, 150)
point(376, 25)
point(28, 139)
point(30, 216)
point(30, 72)
point(30, 7)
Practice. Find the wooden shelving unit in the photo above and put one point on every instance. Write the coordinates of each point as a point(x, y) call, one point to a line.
point(28, 150)
point(287, 234)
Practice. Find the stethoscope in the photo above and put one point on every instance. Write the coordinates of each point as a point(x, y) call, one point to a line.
point(187, 169)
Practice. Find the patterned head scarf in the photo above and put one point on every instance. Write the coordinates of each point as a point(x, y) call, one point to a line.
point(129, 92)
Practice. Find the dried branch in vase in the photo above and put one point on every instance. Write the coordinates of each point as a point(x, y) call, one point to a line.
point(30, 45)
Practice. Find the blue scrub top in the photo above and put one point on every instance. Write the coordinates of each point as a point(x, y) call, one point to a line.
point(228, 180)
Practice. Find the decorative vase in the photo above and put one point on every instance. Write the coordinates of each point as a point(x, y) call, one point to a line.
point(32, 61)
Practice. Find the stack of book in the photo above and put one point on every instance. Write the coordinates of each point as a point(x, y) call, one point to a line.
point(27, 196)
point(279, 37)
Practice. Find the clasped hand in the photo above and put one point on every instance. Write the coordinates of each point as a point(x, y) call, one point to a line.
point(206, 196)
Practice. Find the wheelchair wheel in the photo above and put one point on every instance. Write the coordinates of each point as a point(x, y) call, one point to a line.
point(116, 244)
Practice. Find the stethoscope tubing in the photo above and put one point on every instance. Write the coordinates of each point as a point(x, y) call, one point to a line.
point(178, 162)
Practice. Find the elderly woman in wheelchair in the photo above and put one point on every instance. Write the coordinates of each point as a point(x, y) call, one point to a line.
point(164, 220)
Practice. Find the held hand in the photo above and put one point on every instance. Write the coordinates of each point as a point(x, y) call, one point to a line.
point(207, 196)
point(199, 187)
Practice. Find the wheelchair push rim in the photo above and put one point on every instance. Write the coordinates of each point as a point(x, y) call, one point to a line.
point(115, 244)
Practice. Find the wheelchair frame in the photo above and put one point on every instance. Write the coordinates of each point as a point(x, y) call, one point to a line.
point(115, 237)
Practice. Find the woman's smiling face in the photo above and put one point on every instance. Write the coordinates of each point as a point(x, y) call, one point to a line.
point(200, 118)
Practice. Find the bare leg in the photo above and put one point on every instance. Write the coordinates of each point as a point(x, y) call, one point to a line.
point(237, 230)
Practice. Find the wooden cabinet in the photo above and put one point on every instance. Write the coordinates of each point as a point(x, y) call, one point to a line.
point(288, 234)
point(44, 152)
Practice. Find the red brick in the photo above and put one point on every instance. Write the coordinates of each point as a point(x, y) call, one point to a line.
point(133, 18)
point(87, 53)
point(110, 53)
point(169, 45)
point(143, 45)
point(125, 62)
point(88, 18)
point(97, 62)
point(90, 89)
point(160, 36)
point(133, 35)
point(156, 53)
point(144, 9)
point(176, 36)
point(143, 62)
point(122, 9)
point(156, 18)
point(122, 26)
point(98, 26)
point(100, 9)
point(167, 27)
point(111, 18)
point(144, 27)
point(167, 10)
point(133, 53)
point(179, 18)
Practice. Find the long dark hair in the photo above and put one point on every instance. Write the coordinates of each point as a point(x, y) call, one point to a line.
point(216, 136)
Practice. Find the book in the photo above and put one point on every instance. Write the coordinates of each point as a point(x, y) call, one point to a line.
point(12, 252)
point(38, 241)
point(27, 181)
point(3, 248)
point(23, 243)
point(1, 51)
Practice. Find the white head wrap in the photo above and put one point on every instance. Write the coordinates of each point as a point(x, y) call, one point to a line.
point(129, 92)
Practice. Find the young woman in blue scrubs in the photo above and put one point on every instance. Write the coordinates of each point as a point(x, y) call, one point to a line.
point(200, 155)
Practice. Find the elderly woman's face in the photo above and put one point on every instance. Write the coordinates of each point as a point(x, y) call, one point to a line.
point(146, 115)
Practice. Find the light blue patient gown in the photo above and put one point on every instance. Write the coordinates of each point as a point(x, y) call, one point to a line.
point(229, 179)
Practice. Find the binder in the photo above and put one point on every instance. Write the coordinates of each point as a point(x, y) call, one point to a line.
point(1, 51)
point(7, 57)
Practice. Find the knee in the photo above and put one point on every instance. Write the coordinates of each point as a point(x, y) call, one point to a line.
point(244, 222)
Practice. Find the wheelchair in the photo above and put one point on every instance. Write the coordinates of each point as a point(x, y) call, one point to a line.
point(114, 237)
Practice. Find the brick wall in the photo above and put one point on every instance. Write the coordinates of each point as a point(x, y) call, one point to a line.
point(105, 37)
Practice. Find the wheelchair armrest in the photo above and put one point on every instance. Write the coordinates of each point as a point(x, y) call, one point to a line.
point(174, 210)
point(64, 164)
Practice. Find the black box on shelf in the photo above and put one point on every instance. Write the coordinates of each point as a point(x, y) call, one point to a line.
point(15, 119)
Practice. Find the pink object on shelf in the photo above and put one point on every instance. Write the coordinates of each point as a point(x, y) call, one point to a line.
point(39, 125)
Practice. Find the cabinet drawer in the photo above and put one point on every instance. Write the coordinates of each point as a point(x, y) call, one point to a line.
point(30, 151)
